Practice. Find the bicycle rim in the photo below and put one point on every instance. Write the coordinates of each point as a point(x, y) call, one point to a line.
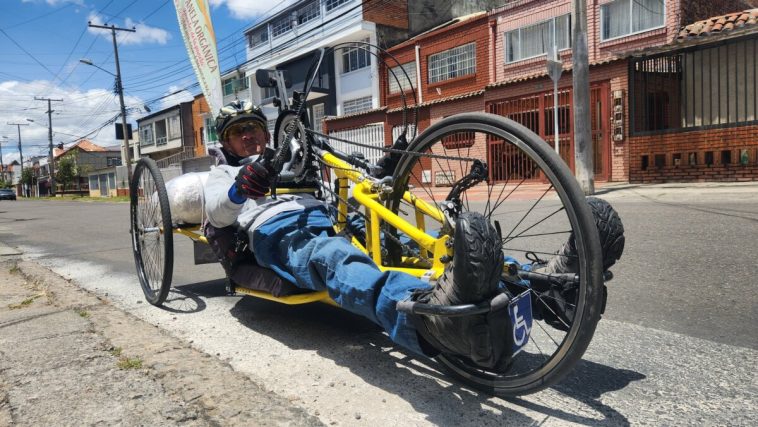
point(531, 196)
point(152, 238)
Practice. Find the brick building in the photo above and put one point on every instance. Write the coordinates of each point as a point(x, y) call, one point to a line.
point(496, 62)
point(694, 104)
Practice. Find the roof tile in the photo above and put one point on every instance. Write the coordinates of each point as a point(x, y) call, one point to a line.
point(719, 24)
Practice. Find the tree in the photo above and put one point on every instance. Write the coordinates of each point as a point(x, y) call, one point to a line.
point(66, 171)
point(27, 177)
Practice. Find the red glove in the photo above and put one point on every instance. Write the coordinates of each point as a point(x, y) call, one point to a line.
point(252, 181)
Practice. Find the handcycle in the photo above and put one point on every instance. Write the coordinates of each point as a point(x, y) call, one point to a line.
point(409, 220)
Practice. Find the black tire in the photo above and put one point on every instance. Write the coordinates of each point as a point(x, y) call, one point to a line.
point(527, 372)
point(152, 231)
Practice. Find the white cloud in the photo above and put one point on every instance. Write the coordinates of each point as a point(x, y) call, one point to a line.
point(80, 113)
point(176, 98)
point(144, 33)
point(245, 9)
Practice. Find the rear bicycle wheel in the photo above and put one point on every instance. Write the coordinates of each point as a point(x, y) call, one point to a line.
point(152, 231)
point(530, 196)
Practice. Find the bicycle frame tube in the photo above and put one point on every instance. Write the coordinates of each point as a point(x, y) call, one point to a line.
point(367, 196)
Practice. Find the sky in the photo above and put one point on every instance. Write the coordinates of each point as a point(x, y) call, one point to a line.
point(42, 41)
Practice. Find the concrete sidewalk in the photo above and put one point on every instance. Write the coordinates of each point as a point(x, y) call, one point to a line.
point(70, 358)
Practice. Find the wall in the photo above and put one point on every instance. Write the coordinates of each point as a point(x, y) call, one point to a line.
point(733, 140)
point(199, 110)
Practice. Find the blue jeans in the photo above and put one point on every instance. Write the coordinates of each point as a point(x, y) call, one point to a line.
point(301, 247)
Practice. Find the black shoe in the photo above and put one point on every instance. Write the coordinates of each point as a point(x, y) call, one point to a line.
point(612, 240)
point(470, 278)
point(556, 306)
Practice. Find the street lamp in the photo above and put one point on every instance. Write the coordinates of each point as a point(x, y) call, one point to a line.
point(120, 92)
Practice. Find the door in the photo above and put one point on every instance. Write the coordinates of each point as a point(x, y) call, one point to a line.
point(599, 130)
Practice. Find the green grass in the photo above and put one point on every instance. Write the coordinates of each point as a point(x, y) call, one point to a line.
point(24, 303)
point(116, 351)
point(82, 313)
point(129, 362)
point(14, 269)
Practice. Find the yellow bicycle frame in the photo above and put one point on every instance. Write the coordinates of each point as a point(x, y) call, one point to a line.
point(368, 195)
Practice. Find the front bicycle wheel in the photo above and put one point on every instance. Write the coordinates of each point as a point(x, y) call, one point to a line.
point(488, 164)
point(152, 231)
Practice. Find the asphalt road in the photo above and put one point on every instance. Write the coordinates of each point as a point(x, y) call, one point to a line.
point(677, 344)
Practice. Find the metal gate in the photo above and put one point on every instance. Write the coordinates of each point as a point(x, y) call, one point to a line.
point(537, 112)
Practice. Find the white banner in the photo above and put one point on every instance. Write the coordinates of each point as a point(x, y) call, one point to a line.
point(197, 31)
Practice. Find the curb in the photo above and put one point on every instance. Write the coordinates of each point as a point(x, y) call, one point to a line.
point(207, 386)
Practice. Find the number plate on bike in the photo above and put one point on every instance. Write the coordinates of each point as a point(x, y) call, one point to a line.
point(520, 311)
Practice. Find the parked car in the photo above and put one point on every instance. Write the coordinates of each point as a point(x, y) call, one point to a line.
point(7, 194)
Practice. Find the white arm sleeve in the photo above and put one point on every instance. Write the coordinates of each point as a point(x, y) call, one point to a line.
point(220, 210)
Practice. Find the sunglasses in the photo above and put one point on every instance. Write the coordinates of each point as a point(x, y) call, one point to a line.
point(241, 129)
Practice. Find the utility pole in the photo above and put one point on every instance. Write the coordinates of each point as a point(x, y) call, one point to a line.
point(51, 164)
point(120, 90)
point(582, 137)
point(20, 153)
point(2, 166)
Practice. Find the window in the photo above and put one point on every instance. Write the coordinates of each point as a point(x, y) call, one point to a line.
point(113, 161)
point(356, 105)
point(538, 39)
point(333, 4)
point(355, 58)
point(174, 127)
point(235, 84)
point(308, 12)
point(281, 26)
point(93, 182)
point(456, 62)
point(210, 131)
point(624, 17)
point(161, 135)
point(397, 79)
point(259, 37)
point(318, 117)
point(112, 180)
point(146, 135)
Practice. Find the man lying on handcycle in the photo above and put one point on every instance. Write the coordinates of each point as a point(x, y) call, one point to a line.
point(293, 236)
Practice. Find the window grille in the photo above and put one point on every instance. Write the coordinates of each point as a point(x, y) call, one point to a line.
point(161, 134)
point(699, 87)
point(146, 135)
point(625, 17)
point(456, 62)
point(308, 12)
point(174, 127)
point(372, 135)
point(235, 84)
point(259, 37)
point(357, 105)
point(538, 39)
point(333, 4)
point(398, 80)
point(318, 117)
point(281, 26)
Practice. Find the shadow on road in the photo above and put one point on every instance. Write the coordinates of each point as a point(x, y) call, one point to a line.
point(359, 345)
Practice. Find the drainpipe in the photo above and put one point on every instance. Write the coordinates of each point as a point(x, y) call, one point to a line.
point(418, 74)
point(493, 56)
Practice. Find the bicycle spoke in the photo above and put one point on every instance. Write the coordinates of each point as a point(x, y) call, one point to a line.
point(529, 211)
point(534, 225)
